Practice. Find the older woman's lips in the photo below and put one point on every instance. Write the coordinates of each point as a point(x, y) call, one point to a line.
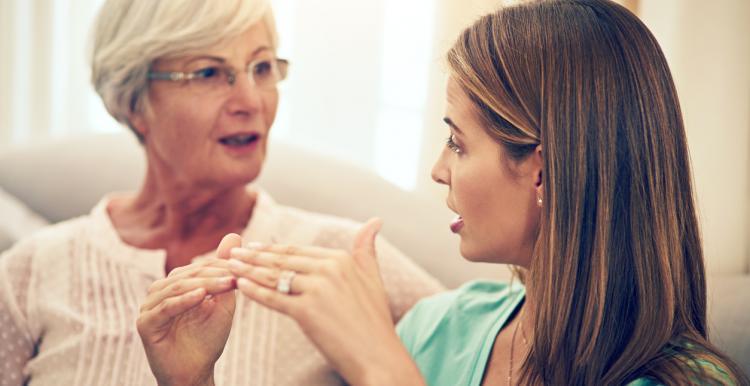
point(240, 143)
point(457, 224)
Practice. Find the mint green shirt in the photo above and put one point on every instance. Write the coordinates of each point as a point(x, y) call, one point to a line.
point(450, 335)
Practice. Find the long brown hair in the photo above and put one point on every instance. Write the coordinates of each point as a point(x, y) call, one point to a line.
point(617, 273)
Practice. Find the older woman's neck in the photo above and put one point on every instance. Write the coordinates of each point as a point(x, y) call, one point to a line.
point(183, 211)
point(186, 221)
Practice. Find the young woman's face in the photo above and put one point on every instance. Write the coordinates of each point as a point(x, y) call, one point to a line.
point(209, 133)
point(494, 196)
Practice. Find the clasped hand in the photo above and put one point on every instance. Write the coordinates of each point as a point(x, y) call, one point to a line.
point(337, 298)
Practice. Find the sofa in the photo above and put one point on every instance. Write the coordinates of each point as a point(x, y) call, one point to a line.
point(53, 180)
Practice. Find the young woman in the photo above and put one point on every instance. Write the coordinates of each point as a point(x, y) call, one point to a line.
point(566, 158)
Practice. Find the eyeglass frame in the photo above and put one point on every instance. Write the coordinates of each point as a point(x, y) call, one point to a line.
point(282, 66)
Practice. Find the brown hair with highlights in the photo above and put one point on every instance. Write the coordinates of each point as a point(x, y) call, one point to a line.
point(617, 273)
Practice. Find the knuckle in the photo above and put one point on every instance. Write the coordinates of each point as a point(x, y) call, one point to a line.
point(176, 288)
point(163, 307)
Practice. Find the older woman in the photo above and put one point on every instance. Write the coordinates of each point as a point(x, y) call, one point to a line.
point(567, 158)
point(196, 81)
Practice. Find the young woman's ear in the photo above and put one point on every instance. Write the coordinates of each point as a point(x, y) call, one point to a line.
point(538, 163)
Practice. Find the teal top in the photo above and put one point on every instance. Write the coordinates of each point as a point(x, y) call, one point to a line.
point(450, 335)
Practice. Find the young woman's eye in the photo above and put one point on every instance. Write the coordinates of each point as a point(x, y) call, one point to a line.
point(452, 145)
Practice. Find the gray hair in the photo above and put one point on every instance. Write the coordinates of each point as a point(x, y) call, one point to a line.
point(129, 35)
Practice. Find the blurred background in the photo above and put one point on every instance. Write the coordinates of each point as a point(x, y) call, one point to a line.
point(367, 82)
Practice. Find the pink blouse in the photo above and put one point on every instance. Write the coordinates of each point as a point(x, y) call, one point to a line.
point(70, 295)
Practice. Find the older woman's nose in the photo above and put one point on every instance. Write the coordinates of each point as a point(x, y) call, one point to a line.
point(245, 96)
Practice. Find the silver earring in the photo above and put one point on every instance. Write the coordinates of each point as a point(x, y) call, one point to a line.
point(539, 201)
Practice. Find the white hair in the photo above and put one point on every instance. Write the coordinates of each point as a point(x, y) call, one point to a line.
point(129, 35)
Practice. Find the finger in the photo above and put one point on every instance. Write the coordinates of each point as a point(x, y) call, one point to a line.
point(229, 241)
point(310, 251)
point(268, 277)
point(152, 319)
point(203, 262)
point(364, 242)
point(211, 268)
point(300, 264)
point(211, 285)
point(267, 297)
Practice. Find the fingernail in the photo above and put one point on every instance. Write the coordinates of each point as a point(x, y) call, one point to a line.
point(254, 245)
point(239, 253)
point(225, 280)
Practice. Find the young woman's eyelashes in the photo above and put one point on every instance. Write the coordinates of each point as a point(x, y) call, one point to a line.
point(452, 145)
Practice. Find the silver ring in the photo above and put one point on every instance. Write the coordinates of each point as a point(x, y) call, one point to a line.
point(284, 285)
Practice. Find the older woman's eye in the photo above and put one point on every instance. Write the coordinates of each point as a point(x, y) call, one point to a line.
point(452, 145)
point(207, 73)
point(263, 68)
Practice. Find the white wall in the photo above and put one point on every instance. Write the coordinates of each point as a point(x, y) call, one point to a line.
point(707, 44)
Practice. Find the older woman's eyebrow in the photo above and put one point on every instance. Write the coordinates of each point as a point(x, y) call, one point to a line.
point(260, 49)
point(207, 57)
point(450, 123)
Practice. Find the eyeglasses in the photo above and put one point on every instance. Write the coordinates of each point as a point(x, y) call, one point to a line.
point(264, 74)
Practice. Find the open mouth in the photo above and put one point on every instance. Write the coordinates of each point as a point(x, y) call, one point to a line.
point(457, 224)
point(239, 140)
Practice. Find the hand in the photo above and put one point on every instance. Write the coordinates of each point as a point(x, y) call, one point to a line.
point(185, 320)
point(339, 301)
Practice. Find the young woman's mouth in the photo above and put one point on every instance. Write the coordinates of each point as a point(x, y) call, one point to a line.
point(457, 224)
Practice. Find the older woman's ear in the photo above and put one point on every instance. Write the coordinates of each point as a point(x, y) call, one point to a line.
point(138, 124)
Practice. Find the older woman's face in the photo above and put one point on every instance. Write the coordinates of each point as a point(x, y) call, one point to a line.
point(211, 137)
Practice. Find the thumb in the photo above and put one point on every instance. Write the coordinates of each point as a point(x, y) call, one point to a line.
point(364, 241)
point(229, 241)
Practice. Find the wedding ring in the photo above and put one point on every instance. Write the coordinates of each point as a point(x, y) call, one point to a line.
point(284, 285)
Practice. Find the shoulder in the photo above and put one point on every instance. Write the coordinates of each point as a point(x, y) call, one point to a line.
point(475, 303)
point(685, 361)
point(47, 248)
point(300, 226)
point(304, 227)
point(52, 237)
point(473, 298)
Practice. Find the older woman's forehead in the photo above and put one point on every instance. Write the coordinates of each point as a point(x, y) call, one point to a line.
point(245, 47)
point(254, 41)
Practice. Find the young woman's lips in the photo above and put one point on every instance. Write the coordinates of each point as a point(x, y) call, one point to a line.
point(457, 224)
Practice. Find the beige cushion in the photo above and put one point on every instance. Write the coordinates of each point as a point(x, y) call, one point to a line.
point(16, 220)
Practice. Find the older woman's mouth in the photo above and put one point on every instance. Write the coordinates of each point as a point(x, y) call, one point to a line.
point(239, 140)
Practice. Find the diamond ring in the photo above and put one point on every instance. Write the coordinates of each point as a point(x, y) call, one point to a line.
point(284, 285)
